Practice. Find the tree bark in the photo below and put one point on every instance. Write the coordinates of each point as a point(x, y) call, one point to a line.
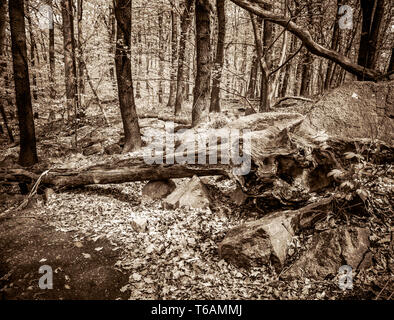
point(369, 34)
point(201, 94)
point(264, 85)
point(174, 53)
point(334, 46)
point(307, 60)
point(123, 73)
point(161, 57)
point(69, 57)
point(112, 34)
point(52, 56)
point(3, 63)
point(118, 172)
point(28, 152)
point(312, 46)
point(81, 61)
point(286, 76)
point(219, 59)
point(3, 19)
point(180, 87)
point(253, 77)
point(32, 51)
point(390, 68)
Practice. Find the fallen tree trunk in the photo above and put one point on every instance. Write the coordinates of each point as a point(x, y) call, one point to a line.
point(111, 173)
point(288, 161)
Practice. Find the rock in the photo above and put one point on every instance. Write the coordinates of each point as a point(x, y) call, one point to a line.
point(238, 196)
point(94, 149)
point(266, 240)
point(158, 189)
point(92, 138)
point(113, 149)
point(192, 194)
point(331, 249)
point(139, 224)
point(354, 110)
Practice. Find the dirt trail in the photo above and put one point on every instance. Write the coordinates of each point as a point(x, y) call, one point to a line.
point(81, 270)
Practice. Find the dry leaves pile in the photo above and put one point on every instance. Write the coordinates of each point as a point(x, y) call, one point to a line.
point(176, 257)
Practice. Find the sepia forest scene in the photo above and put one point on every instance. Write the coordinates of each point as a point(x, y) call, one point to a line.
point(196, 150)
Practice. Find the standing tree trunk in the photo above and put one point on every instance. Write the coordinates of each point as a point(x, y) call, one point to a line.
point(201, 94)
point(81, 67)
point(161, 57)
point(123, 74)
point(112, 34)
point(185, 23)
point(308, 42)
point(267, 40)
point(286, 76)
point(305, 73)
point(3, 17)
point(52, 54)
point(69, 57)
point(253, 77)
point(264, 86)
point(28, 152)
point(219, 59)
point(174, 53)
point(390, 68)
point(32, 51)
point(3, 63)
point(334, 46)
point(367, 54)
point(190, 57)
point(306, 68)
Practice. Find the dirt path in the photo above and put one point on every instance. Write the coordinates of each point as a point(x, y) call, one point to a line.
point(81, 270)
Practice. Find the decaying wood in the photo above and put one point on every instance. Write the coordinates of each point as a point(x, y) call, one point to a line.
point(287, 162)
point(111, 173)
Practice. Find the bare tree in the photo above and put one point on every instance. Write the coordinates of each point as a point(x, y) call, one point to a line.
point(219, 59)
point(123, 74)
point(315, 48)
point(372, 17)
point(28, 152)
point(185, 23)
point(174, 54)
point(201, 95)
point(81, 67)
point(69, 57)
point(51, 52)
point(33, 48)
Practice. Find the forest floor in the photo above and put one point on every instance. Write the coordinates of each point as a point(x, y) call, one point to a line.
point(86, 235)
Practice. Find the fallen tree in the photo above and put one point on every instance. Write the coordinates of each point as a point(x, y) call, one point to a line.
point(134, 169)
point(255, 7)
point(288, 162)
